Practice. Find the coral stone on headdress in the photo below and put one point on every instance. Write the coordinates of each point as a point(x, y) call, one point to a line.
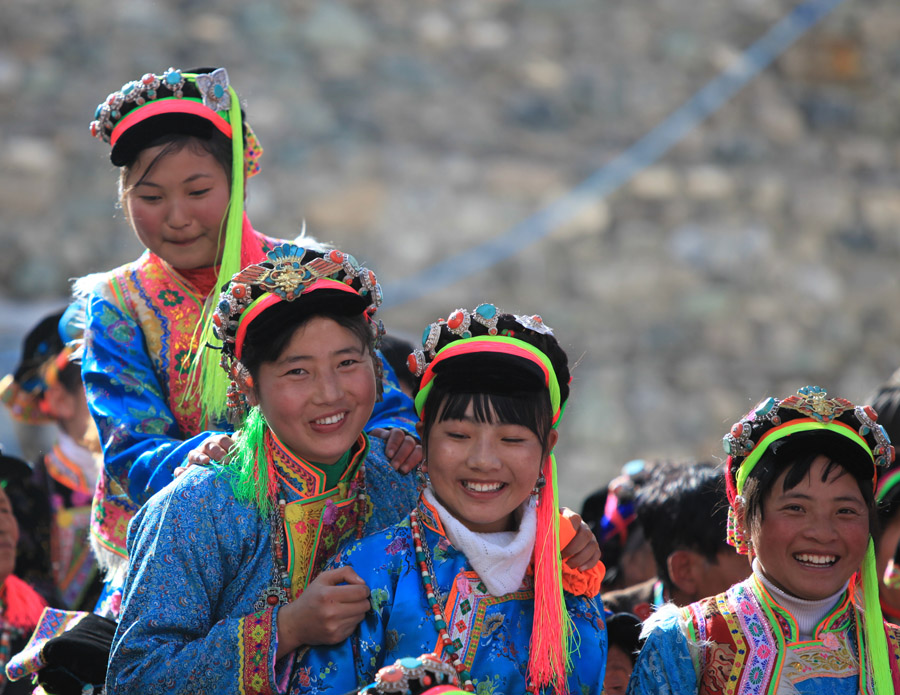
point(291, 273)
point(805, 417)
point(184, 102)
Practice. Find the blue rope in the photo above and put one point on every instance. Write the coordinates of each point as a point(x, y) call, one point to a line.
point(622, 169)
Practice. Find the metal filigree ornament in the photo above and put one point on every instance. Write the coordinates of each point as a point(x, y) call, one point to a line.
point(214, 89)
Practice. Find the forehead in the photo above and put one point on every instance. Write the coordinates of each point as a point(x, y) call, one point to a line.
point(184, 157)
point(816, 484)
point(321, 334)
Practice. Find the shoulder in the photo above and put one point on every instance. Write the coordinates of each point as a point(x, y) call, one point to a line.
point(666, 618)
point(202, 492)
point(393, 494)
point(101, 284)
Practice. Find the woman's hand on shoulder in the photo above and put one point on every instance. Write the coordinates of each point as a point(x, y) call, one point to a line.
point(213, 448)
point(402, 449)
point(583, 551)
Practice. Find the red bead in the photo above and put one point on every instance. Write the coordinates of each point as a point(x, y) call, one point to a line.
point(459, 666)
point(272, 600)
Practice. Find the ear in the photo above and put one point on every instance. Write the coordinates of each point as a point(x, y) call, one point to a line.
point(682, 566)
point(552, 439)
point(246, 384)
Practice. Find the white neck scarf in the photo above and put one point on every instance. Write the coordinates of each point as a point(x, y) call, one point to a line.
point(500, 559)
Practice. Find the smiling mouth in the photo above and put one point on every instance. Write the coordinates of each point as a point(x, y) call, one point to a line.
point(330, 420)
point(482, 487)
point(815, 560)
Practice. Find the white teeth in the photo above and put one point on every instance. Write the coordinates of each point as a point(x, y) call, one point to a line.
point(330, 420)
point(816, 559)
point(482, 487)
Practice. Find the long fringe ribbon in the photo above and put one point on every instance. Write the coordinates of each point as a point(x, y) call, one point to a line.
point(549, 658)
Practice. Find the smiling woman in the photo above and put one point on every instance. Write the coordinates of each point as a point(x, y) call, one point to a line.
point(801, 474)
point(227, 577)
point(185, 152)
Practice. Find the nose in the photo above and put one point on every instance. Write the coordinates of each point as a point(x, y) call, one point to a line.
point(328, 387)
point(177, 216)
point(821, 529)
point(482, 454)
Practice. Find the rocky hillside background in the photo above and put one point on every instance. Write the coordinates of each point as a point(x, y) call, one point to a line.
point(756, 255)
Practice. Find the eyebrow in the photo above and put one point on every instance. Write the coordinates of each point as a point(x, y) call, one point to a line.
point(350, 350)
point(803, 496)
point(189, 179)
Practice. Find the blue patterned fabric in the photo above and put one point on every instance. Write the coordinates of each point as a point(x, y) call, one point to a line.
point(493, 632)
point(142, 440)
point(199, 562)
point(743, 642)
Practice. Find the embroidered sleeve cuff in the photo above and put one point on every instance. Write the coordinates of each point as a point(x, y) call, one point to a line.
point(257, 645)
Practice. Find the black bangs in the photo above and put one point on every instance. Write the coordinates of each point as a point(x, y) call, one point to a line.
point(484, 372)
point(839, 449)
point(529, 409)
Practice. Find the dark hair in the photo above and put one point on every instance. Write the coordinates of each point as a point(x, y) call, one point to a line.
point(771, 465)
point(268, 335)
point(216, 145)
point(684, 507)
point(499, 387)
point(395, 350)
point(886, 403)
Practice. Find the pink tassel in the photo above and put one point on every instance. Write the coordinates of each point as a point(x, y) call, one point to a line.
point(548, 658)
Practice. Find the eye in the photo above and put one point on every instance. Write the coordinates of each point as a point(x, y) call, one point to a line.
point(296, 371)
point(200, 192)
point(793, 507)
point(349, 362)
point(149, 198)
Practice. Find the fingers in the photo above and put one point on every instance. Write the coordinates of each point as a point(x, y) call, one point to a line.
point(339, 575)
point(404, 452)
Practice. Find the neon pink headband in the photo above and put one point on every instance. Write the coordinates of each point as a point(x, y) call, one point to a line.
point(169, 105)
point(492, 344)
point(263, 302)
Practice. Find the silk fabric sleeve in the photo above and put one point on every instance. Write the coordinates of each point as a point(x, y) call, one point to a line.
point(199, 561)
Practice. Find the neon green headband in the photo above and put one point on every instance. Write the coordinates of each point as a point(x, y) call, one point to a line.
point(497, 344)
point(793, 427)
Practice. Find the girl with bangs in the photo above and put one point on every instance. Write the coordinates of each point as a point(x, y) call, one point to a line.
point(474, 574)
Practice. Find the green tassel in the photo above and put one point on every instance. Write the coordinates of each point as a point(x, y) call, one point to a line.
point(250, 476)
point(876, 640)
point(208, 382)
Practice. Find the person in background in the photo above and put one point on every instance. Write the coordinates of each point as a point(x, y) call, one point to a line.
point(624, 631)
point(20, 605)
point(611, 514)
point(682, 510)
point(46, 388)
point(886, 402)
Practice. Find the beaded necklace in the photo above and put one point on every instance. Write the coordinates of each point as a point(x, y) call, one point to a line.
point(423, 557)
